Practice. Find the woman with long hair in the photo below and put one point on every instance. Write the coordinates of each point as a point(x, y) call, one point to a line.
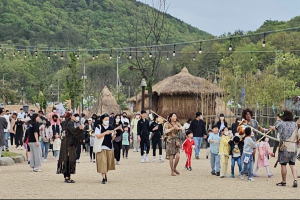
point(46, 135)
point(288, 134)
point(71, 137)
point(222, 123)
point(157, 137)
point(105, 159)
point(117, 143)
point(34, 144)
point(171, 129)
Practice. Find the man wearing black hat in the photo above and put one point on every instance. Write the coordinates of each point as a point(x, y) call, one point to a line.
point(198, 128)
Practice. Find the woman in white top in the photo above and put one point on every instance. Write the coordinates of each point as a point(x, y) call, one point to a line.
point(105, 159)
point(46, 136)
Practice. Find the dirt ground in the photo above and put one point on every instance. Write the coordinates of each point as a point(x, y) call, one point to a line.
point(136, 180)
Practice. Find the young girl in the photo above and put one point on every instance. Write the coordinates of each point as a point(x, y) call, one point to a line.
point(224, 152)
point(188, 146)
point(56, 147)
point(263, 161)
point(125, 142)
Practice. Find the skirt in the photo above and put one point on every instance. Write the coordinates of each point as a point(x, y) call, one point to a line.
point(173, 147)
point(105, 161)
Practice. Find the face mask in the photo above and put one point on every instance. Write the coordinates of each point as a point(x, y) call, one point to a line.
point(117, 120)
point(105, 123)
point(201, 117)
point(267, 140)
point(93, 120)
point(226, 133)
point(55, 120)
point(54, 110)
point(77, 119)
point(124, 116)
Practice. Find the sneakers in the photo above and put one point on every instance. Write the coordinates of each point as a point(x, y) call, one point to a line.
point(213, 173)
point(18, 147)
point(37, 170)
point(270, 175)
point(44, 160)
point(197, 156)
point(117, 162)
point(186, 168)
point(147, 159)
point(91, 160)
point(143, 159)
point(7, 149)
point(232, 176)
point(77, 161)
point(255, 175)
point(21, 147)
point(218, 174)
point(251, 179)
point(226, 175)
point(154, 159)
point(242, 177)
point(190, 169)
point(94, 161)
point(134, 150)
point(161, 159)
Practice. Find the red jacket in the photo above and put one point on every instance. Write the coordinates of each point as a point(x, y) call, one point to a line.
point(187, 145)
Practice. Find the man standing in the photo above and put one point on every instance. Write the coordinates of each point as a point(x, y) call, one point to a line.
point(77, 124)
point(30, 113)
point(111, 119)
point(41, 116)
point(133, 132)
point(3, 125)
point(21, 114)
point(143, 135)
point(6, 131)
point(198, 128)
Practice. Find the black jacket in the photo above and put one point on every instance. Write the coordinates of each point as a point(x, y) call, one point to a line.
point(157, 133)
point(219, 124)
point(240, 145)
point(143, 128)
point(198, 128)
point(234, 128)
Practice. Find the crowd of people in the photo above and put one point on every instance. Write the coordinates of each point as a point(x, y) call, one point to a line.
point(108, 138)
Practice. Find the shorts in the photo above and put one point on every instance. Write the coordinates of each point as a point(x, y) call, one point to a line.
point(290, 163)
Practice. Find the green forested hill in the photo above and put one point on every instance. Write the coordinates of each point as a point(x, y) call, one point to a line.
point(79, 23)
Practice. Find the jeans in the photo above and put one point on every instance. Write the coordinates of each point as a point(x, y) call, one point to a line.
point(45, 145)
point(7, 135)
point(145, 143)
point(215, 162)
point(238, 160)
point(56, 154)
point(248, 167)
point(198, 142)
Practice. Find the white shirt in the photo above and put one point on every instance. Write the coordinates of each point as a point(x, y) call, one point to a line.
point(125, 120)
point(82, 120)
point(21, 115)
point(8, 123)
point(98, 132)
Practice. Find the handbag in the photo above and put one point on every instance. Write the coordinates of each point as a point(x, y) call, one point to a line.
point(45, 139)
point(98, 145)
point(118, 139)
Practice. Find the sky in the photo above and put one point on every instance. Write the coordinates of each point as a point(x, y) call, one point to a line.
point(222, 16)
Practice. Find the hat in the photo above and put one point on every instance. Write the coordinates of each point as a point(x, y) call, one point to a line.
point(221, 115)
point(215, 126)
point(137, 113)
point(198, 114)
point(90, 119)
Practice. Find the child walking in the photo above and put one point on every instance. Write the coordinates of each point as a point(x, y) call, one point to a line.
point(263, 161)
point(214, 140)
point(188, 146)
point(125, 142)
point(56, 146)
point(236, 151)
point(92, 153)
point(247, 157)
point(224, 152)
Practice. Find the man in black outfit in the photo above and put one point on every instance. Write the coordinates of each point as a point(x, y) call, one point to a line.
point(199, 132)
point(143, 135)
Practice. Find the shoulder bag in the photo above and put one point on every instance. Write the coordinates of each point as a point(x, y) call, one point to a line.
point(98, 144)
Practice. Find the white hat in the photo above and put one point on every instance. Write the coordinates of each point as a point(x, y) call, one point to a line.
point(90, 119)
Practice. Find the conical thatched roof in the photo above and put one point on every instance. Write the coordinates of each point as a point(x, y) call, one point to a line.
point(106, 103)
point(185, 83)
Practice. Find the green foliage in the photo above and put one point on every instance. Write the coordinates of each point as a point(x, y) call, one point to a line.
point(9, 154)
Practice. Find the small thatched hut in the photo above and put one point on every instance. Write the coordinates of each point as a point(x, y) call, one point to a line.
point(184, 94)
point(106, 103)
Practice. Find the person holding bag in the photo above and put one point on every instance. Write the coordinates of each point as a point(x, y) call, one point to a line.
point(117, 143)
point(104, 135)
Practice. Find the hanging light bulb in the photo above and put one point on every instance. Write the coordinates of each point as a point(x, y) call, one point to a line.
point(230, 46)
point(97, 55)
point(110, 56)
point(93, 55)
point(36, 56)
point(5, 53)
point(167, 55)
point(283, 57)
point(18, 51)
point(130, 54)
point(55, 52)
point(78, 55)
point(200, 49)
point(222, 59)
point(194, 58)
point(14, 54)
point(264, 42)
point(25, 54)
point(119, 55)
point(150, 53)
point(48, 56)
point(174, 50)
point(251, 58)
point(62, 55)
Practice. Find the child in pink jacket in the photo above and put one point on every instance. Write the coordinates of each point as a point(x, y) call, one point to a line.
point(263, 161)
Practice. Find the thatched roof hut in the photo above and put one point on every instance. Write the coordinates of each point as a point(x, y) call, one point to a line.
point(184, 94)
point(106, 103)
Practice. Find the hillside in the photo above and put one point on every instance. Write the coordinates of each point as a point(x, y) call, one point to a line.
point(79, 23)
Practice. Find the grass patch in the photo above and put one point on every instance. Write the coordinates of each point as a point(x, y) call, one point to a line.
point(9, 154)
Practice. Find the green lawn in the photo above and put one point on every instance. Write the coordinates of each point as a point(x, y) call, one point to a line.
point(9, 154)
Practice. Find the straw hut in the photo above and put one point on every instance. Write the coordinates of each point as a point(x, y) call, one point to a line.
point(106, 103)
point(184, 94)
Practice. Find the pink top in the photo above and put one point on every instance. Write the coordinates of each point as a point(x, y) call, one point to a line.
point(51, 120)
